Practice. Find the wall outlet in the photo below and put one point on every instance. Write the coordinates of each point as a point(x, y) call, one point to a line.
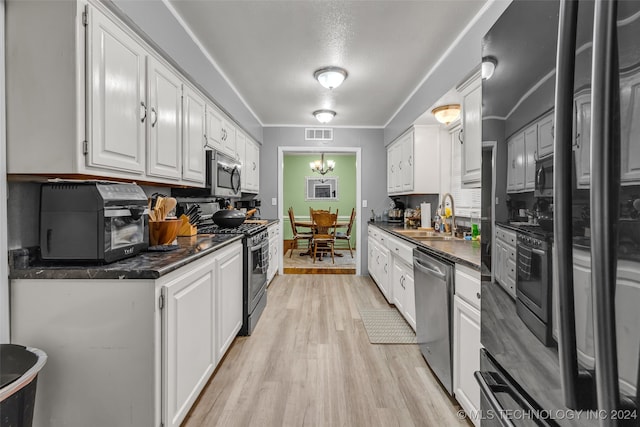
point(274, 201)
point(364, 203)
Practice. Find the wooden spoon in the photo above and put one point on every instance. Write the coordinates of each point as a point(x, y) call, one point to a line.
point(169, 204)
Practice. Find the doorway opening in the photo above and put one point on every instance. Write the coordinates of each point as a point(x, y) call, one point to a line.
point(294, 174)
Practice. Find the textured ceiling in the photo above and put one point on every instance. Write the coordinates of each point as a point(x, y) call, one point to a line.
point(268, 51)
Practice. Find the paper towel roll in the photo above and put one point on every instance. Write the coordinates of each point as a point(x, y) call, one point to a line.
point(425, 214)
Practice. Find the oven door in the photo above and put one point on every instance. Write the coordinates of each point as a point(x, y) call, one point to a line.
point(258, 262)
point(126, 232)
point(533, 287)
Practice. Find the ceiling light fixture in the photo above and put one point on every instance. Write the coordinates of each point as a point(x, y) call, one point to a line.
point(488, 67)
point(320, 167)
point(324, 116)
point(446, 113)
point(330, 77)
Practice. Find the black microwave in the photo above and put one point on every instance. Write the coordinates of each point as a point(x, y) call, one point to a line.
point(223, 178)
point(544, 178)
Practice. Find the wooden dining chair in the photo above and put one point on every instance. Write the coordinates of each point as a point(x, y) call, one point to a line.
point(296, 235)
point(324, 233)
point(340, 235)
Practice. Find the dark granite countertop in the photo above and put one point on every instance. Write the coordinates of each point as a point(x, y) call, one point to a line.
point(147, 265)
point(460, 251)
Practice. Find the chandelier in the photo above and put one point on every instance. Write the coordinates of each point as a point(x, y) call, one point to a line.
point(320, 167)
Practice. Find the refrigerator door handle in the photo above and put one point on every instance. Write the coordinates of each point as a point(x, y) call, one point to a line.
point(578, 385)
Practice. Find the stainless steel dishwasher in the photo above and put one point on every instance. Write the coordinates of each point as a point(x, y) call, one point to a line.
point(434, 298)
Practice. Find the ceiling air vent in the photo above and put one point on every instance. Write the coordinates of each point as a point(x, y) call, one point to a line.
point(318, 134)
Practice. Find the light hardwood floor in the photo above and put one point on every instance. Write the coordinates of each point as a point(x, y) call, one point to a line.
point(309, 363)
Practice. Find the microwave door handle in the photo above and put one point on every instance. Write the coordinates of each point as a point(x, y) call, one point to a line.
point(540, 178)
point(235, 172)
point(605, 184)
point(578, 385)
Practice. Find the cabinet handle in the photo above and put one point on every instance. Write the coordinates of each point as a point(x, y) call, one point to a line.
point(377, 260)
point(400, 165)
point(410, 158)
point(154, 116)
point(478, 295)
point(385, 268)
point(553, 129)
point(144, 116)
point(254, 165)
point(535, 155)
point(513, 164)
point(460, 136)
point(205, 139)
point(392, 169)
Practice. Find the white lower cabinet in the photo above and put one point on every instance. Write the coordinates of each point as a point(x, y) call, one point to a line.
point(403, 290)
point(274, 259)
point(228, 278)
point(466, 340)
point(378, 262)
point(131, 352)
point(189, 331)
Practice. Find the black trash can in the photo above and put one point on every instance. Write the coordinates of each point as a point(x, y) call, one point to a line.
point(19, 368)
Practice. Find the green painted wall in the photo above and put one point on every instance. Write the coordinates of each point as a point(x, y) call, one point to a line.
point(296, 169)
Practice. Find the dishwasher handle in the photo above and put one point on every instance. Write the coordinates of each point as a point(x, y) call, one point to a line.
point(427, 269)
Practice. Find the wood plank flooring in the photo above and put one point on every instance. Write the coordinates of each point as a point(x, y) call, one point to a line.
point(309, 363)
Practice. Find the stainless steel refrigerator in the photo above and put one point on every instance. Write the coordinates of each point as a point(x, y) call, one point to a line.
point(576, 63)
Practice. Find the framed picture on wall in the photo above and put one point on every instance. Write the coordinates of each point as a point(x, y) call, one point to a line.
point(321, 188)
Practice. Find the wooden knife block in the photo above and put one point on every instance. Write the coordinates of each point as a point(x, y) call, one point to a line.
point(186, 229)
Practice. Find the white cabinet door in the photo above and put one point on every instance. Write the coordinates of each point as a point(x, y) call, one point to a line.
point(630, 132)
point(229, 139)
point(403, 290)
point(390, 170)
point(188, 342)
point(193, 142)
point(371, 258)
point(498, 263)
point(384, 270)
point(530, 155)
point(228, 280)
point(395, 156)
point(545, 136)
point(466, 356)
point(472, 133)
point(406, 162)
point(583, 140)
point(214, 128)
point(117, 99)
point(252, 168)
point(164, 124)
point(516, 166)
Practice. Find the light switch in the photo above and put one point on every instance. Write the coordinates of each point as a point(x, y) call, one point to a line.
point(274, 201)
point(364, 203)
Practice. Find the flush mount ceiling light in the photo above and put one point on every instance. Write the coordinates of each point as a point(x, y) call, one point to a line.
point(446, 113)
point(320, 167)
point(488, 67)
point(324, 116)
point(330, 77)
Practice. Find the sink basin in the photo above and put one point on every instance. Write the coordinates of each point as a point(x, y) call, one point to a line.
point(424, 235)
point(432, 238)
point(415, 233)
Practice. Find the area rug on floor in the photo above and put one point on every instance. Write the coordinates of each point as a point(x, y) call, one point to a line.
point(386, 326)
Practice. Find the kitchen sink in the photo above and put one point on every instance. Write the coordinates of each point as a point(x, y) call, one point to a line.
point(424, 235)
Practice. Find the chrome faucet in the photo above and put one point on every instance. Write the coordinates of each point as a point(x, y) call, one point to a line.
point(453, 212)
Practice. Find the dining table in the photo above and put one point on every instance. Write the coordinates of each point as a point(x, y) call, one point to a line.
point(311, 225)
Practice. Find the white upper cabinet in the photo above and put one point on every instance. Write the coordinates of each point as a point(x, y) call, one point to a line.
point(516, 159)
point(117, 102)
point(193, 140)
point(164, 121)
point(630, 119)
point(582, 145)
point(410, 161)
point(114, 108)
point(530, 153)
point(471, 92)
point(545, 136)
point(252, 167)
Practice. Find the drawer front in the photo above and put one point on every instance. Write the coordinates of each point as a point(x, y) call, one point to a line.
point(273, 231)
point(377, 235)
point(511, 269)
point(512, 254)
point(401, 249)
point(467, 285)
point(507, 236)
